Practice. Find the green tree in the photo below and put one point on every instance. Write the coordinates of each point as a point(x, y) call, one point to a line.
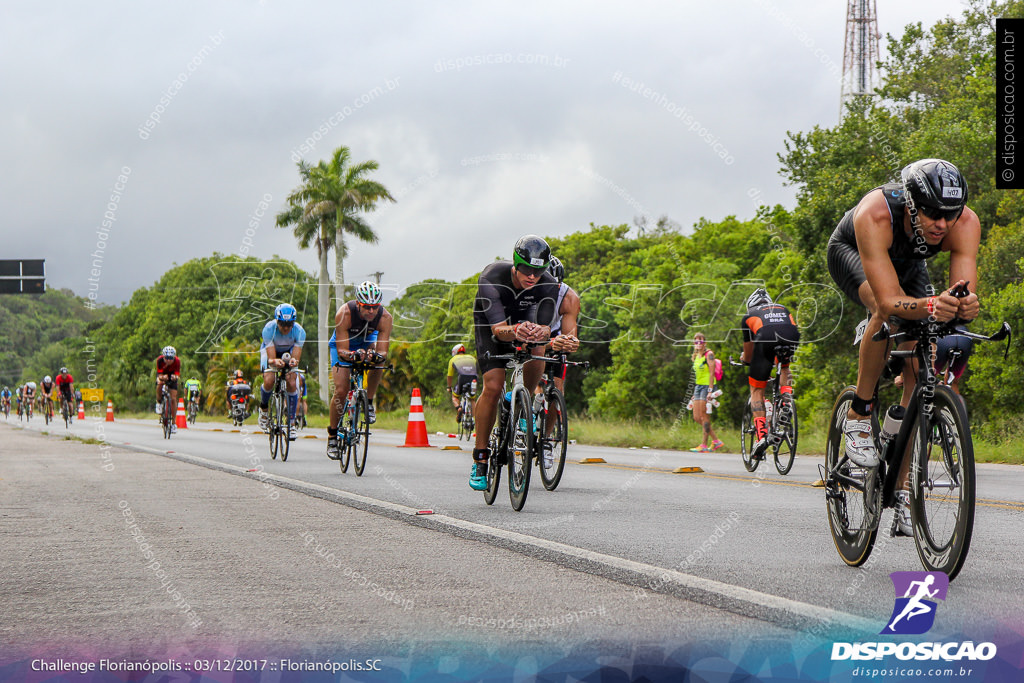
point(234, 354)
point(321, 211)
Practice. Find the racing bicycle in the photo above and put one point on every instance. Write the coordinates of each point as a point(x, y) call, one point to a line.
point(512, 440)
point(782, 423)
point(552, 421)
point(280, 418)
point(354, 423)
point(934, 434)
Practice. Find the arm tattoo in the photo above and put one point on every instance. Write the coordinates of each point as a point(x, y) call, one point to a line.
point(906, 305)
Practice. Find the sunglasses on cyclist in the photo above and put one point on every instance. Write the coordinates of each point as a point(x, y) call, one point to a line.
point(935, 214)
point(286, 323)
point(370, 307)
point(530, 271)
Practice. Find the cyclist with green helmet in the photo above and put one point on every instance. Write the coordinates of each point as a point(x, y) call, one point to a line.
point(515, 301)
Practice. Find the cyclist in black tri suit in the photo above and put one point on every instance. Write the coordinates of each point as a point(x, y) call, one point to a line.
point(769, 333)
point(876, 255)
point(511, 298)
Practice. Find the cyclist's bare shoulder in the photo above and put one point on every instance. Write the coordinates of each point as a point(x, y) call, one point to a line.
point(872, 223)
point(965, 235)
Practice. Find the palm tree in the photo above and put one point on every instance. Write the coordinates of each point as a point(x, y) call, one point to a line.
point(325, 207)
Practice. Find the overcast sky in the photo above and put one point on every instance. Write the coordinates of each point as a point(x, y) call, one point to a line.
point(489, 120)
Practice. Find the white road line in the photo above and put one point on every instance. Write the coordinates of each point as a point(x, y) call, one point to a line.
point(664, 577)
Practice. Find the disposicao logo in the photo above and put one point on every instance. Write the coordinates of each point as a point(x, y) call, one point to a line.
point(916, 595)
point(913, 614)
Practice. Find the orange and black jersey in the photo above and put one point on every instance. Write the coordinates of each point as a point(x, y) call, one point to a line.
point(771, 322)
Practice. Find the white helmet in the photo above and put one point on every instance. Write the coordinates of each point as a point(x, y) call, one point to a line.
point(47, 380)
point(169, 353)
point(369, 293)
point(458, 348)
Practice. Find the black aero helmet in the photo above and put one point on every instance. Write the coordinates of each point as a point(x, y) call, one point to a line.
point(533, 252)
point(557, 269)
point(936, 188)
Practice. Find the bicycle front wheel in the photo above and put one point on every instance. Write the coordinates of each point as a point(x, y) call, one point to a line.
point(361, 423)
point(495, 461)
point(284, 444)
point(520, 448)
point(786, 426)
point(748, 437)
point(553, 438)
point(942, 485)
point(275, 401)
point(852, 519)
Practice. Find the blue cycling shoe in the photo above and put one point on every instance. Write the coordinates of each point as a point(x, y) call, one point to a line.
point(478, 476)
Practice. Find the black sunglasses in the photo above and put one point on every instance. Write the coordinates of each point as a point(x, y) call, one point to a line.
point(530, 270)
point(285, 323)
point(935, 214)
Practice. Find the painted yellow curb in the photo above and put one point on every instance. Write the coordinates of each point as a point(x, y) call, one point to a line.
point(820, 484)
point(591, 461)
point(309, 436)
point(687, 470)
point(451, 448)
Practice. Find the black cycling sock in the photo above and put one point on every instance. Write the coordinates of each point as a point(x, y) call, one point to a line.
point(481, 454)
point(332, 431)
point(861, 406)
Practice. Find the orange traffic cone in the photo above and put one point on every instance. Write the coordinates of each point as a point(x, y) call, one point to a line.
point(416, 432)
point(81, 410)
point(110, 411)
point(180, 419)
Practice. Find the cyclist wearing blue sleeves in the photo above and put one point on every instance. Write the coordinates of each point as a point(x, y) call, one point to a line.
point(362, 331)
point(280, 336)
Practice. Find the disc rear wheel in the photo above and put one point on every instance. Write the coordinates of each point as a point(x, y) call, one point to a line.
point(852, 517)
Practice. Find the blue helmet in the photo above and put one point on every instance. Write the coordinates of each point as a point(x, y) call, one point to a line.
point(285, 313)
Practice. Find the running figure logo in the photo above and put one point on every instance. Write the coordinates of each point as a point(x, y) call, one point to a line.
point(916, 595)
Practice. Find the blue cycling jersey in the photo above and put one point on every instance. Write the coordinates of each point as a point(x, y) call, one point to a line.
point(283, 343)
point(5, 394)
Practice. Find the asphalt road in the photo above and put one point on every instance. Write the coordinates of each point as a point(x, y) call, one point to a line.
point(628, 548)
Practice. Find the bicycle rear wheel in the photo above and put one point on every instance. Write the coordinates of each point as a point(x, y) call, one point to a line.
point(942, 485)
point(361, 441)
point(461, 430)
point(520, 448)
point(786, 425)
point(553, 435)
point(852, 520)
point(748, 437)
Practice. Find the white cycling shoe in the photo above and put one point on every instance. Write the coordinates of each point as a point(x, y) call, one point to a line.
point(904, 526)
point(860, 447)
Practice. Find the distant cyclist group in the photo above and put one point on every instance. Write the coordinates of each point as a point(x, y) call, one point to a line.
point(30, 398)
